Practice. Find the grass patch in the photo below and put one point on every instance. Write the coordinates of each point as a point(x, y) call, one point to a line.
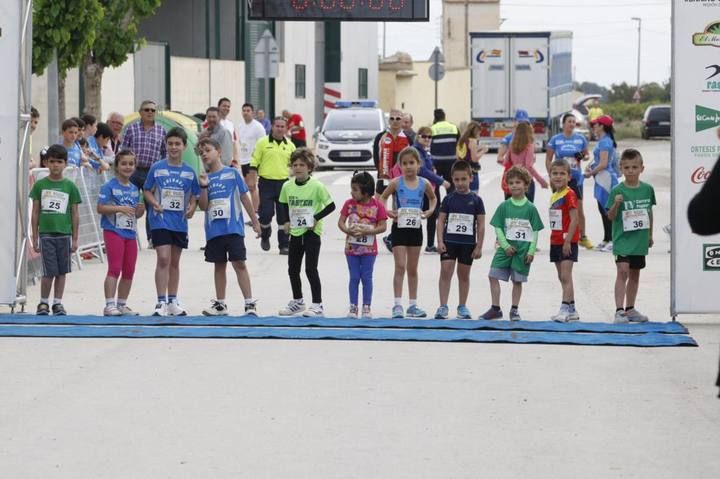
point(628, 130)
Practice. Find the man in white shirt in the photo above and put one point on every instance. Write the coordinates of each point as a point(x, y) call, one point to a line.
point(227, 123)
point(249, 131)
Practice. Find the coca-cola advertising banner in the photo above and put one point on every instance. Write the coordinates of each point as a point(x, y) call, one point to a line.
point(695, 149)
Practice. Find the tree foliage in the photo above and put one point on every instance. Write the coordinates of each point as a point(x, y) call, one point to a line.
point(65, 26)
point(649, 92)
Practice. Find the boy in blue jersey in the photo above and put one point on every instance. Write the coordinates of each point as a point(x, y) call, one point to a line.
point(171, 191)
point(223, 191)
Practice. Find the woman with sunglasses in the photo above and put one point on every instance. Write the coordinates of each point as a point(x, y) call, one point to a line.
point(423, 138)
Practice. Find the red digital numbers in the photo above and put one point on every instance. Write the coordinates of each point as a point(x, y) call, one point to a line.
point(347, 4)
point(327, 4)
point(396, 5)
point(299, 5)
point(376, 4)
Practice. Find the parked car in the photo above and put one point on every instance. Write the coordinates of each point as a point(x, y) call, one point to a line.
point(346, 137)
point(580, 110)
point(656, 121)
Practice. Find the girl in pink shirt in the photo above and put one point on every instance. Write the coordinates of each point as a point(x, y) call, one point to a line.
point(522, 153)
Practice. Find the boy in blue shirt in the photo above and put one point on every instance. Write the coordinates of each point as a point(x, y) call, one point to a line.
point(222, 191)
point(171, 191)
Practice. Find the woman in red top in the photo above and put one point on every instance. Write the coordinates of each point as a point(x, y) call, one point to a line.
point(522, 153)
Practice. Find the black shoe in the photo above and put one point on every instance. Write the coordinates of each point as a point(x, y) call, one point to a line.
point(265, 244)
point(58, 310)
point(285, 251)
point(431, 250)
point(388, 243)
point(43, 309)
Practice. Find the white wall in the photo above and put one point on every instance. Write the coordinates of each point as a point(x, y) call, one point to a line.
point(359, 43)
point(118, 89)
point(298, 47)
point(481, 15)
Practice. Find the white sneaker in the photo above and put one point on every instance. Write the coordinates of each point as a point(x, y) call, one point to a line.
point(562, 316)
point(160, 309)
point(111, 310)
point(366, 313)
point(573, 315)
point(314, 311)
point(126, 311)
point(353, 311)
point(295, 306)
point(251, 309)
point(635, 316)
point(216, 309)
point(608, 247)
point(174, 309)
point(620, 317)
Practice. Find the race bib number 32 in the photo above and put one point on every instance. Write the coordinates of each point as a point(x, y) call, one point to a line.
point(53, 201)
point(518, 230)
point(409, 218)
point(172, 200)
point(635, 220)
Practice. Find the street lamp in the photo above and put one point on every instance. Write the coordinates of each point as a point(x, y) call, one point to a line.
point(639, 25)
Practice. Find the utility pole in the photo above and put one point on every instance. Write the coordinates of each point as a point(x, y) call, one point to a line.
point(639, 25)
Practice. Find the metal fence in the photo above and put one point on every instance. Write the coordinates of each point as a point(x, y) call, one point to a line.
point(90, 238)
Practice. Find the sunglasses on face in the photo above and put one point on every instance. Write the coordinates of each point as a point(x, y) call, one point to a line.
point(426, 137)
point(395, 118)
point(149, 110)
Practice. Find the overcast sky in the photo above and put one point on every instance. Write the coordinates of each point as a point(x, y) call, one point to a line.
point(604, 36)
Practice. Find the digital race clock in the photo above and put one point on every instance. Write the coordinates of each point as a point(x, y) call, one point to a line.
point(345, 10)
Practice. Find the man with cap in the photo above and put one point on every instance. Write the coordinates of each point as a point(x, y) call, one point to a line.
point(521, 116)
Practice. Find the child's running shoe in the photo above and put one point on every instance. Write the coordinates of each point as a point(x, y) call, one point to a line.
point(353, 311)
point(111, 310)
point(515, 315)
point(442, 312)
point(431, 250)
point(562, 316)
point(366, 313)
point(573, 315)
point(388, 243)
point(216, 309)
point(397, 312)
point(43, 309)
point(160, 309)
point(635, 316)
point(58, 310)
point(601, 246)
point(251, 309)
point(314, 311)
point(174, 309)
point(492, 313)
point(415, 311)
point(620, 317)
point(295, 306)
point(126, 311)
point(585, 242)
point(463, 312)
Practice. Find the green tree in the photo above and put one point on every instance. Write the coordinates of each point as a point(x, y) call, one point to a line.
point(621, 92)
point(117, 36)
point(67, 27)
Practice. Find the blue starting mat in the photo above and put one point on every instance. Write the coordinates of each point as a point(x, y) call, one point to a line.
point(302, 322)
point(430, 335)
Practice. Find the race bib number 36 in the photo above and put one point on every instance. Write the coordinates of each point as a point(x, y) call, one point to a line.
point(172, 200)
point(302, 217)
point(219, 209)
point(409, 218)
point(460, 224)
point(518, 230)
point(53, 201)
point(635, 220)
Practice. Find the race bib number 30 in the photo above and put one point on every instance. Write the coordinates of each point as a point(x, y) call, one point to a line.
point(172, 200)
point(219, 209)
point(556, 220)
point(409, 218)
point(635, 220)
point(124, 222)
point(53, 201)
point(460, 224)
point(518, 230)
point(302, 217)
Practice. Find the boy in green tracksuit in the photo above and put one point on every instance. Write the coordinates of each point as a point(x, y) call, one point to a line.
point(308, 202)
point(630, 209)
point(516, 223)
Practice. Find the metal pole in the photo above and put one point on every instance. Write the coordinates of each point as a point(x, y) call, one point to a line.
point(436, 64)
point(266, 95)
point(639, 20)
point(384, 39)
point(53, 108)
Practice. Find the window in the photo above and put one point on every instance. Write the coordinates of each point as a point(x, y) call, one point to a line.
point(299, 81)
point(362, 83)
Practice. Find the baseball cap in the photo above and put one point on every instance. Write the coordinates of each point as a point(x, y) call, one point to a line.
point(605, 120)
point(522, 116)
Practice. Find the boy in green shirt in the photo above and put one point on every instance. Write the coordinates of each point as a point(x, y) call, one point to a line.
point(55, 223)
point(630, 209)
point(517, 223)
point(308, 201)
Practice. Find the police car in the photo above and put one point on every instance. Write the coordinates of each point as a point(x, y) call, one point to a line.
point(346, 137)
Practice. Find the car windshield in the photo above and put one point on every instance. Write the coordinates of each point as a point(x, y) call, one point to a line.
point(353, 120)
point(660, 114)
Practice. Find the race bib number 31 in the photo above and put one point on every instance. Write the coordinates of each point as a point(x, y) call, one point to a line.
point(124, 222)
point(53, 201)
point(460, 224)
point(409, 218)
point(635, 220)
point(172, 200)
point(518, 230)
point(302, 217)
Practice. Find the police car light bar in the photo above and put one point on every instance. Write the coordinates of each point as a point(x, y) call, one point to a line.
point(356, 103)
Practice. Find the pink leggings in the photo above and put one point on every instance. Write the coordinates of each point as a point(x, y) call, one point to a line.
point(121, 253)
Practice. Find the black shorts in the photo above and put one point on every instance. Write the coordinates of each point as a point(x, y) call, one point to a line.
point(636, 262)
point(458, 251)
point(56, 251)
point(245, 169)
point(163, 237)
point(299, 143)
point(406, 236)
point(380, 186)
point(556, 254)
point(222, 249)
point(578, 189)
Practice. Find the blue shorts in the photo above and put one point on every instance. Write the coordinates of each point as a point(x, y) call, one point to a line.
point(163, 237)
point(556, 254)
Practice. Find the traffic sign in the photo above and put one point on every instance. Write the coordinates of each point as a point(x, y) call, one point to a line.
point(267, 57)
point(436, 71)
